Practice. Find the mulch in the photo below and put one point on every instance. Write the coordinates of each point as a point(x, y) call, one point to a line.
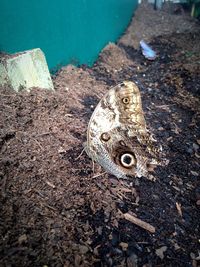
point(55, 211)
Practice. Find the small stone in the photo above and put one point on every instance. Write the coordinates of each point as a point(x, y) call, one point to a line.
point(123, 245)
point(192, 255)
point(198, 202)
point(61, 150)
point(189, 150)
point(25, 70)
point(160, 252)
point(132, 261)
point(195, 146)
point(22, 239)
point(160, 129)
point(95, 250)
point(197, 193)
point(99, 230)
point(83, 249)
point(176, 246)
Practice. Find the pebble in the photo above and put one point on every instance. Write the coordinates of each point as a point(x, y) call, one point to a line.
point(195, 146)
point(189, 150)
point(124, 246)
point(132, 260)
point(160, 129)
point(198, 202)
point(83, 249)
point(22, 239)
point(160, 252)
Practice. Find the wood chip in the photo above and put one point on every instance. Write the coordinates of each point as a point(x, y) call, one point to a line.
point(178, 206)
point(50, 184)
point(169, 138)
point(150, 228)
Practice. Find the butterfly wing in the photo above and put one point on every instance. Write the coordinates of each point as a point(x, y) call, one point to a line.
point(116, 131)
point(113, 111)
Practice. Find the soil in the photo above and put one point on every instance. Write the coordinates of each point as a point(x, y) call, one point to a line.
point(55, 211)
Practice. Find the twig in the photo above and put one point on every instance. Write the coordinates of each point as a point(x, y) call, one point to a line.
point(50, 207)
point(69, 115)
point(36, 141)
point(139, 222)
point(42, 134)
point(98, 175)
point(80, 154)
point(178, 206)
point(50, 184)
point(8, 95)
point(93, 166)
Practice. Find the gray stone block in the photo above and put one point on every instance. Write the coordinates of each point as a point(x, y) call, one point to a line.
point(25, 70)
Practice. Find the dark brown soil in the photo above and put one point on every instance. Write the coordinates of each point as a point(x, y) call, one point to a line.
point(56, 212)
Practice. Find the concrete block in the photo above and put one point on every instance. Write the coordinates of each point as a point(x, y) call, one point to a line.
point(25, 70)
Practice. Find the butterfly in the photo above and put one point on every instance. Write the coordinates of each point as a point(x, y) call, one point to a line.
point(147, 51)
point(117, 136)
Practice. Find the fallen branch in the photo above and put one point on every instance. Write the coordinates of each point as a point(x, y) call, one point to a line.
point(139, 222)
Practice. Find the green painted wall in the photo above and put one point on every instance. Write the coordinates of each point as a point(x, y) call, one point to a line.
point(68, 31)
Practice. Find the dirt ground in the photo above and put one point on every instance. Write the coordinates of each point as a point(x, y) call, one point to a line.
point(54, 210)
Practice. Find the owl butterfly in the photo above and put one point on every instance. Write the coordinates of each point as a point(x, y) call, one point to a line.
point(117, 137)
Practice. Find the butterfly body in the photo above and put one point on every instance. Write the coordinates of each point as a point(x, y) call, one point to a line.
point(117, 137)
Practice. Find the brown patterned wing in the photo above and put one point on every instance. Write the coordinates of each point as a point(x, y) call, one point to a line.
point(117, 137)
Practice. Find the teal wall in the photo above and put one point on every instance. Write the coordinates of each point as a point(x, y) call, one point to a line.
point(68, 31)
